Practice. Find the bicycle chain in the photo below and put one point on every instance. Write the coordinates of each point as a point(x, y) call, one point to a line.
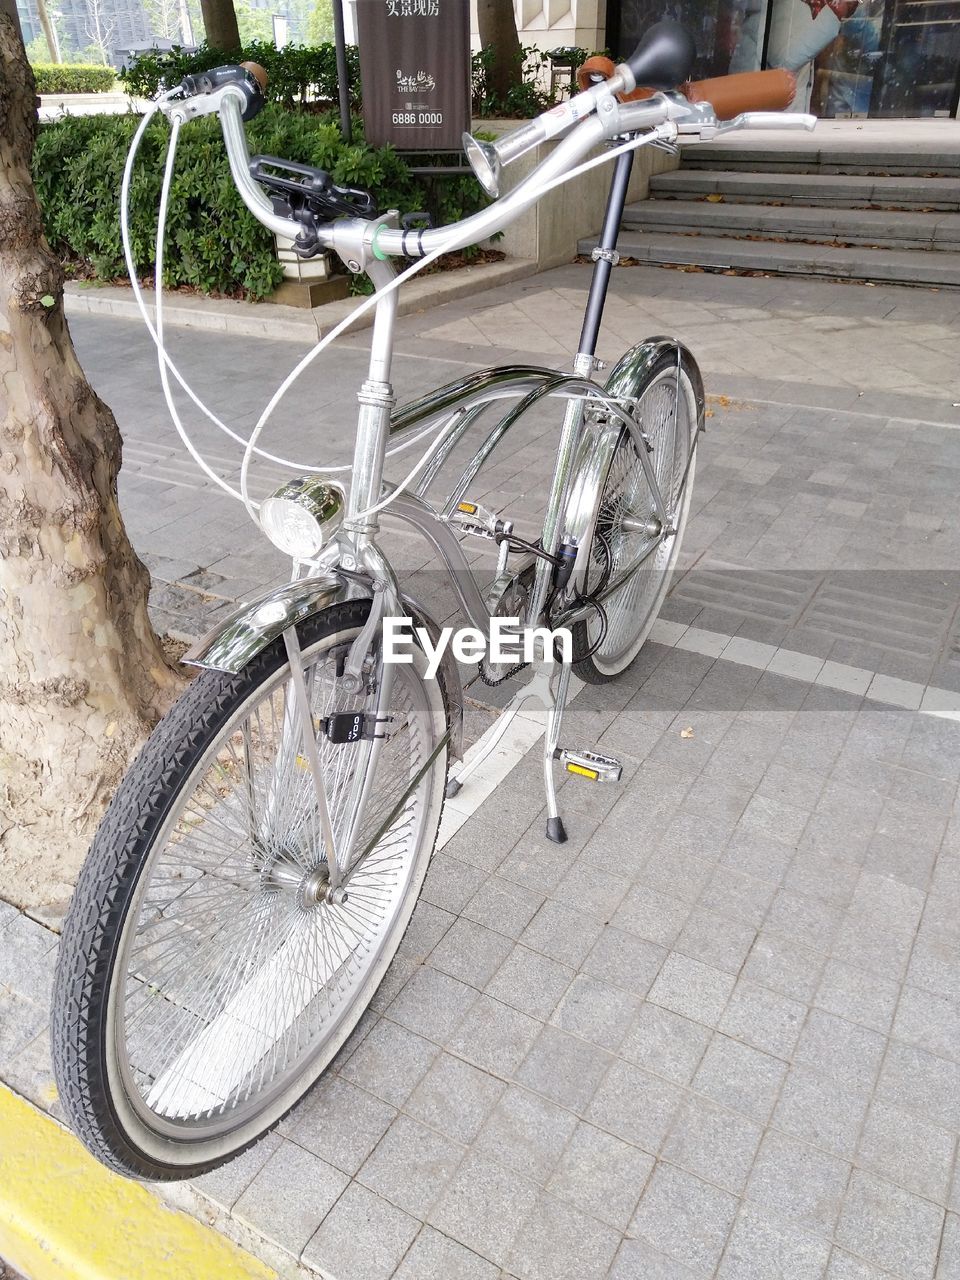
point(489, 680)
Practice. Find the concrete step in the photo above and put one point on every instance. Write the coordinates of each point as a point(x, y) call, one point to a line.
point(853, 191)
point(875, 227)
point(809, 160)
point(889, 266)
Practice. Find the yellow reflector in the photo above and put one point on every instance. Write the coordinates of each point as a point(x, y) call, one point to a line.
point(583, 773)
point(468, 508)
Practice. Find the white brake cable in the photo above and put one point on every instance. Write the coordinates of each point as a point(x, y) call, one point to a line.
point(161, 348)
point(631, 145)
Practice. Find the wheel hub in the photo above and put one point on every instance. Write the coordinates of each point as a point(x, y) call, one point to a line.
point(310, 888)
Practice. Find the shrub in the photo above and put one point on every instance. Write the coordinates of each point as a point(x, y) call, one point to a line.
point(297, 74)
point(213, 243)
point(76, 78)
point(524, 100)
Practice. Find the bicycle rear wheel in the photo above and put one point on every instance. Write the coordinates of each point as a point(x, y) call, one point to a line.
point(206, 977)
point(628, 532)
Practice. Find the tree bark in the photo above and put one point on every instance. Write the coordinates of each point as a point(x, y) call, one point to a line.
point(220, 24)
point(82, 674)
point(497, 24)
point(53, 44)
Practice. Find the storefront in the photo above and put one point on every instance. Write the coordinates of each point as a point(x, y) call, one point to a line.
point(876, 58)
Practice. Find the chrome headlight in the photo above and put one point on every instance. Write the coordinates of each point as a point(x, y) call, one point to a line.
point(302, 515)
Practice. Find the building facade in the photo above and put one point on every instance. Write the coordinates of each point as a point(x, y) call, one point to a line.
point(862, 58)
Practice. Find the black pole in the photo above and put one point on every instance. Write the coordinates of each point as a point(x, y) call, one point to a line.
point(343, 82)
point(607, 250)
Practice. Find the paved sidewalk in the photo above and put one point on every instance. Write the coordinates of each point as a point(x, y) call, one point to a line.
point(717, 1032)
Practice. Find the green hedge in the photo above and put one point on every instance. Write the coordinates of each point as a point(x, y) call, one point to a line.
point(73, 78)
point(213, 243)
point(297, 74)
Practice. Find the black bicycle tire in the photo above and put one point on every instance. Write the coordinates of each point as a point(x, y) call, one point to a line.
point(586, 668)
point(106, 885)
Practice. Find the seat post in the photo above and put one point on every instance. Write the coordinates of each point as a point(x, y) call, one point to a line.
point(605, 256)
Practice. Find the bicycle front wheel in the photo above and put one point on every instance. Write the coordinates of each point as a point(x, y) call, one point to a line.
point(630, 541)
point(207, 975)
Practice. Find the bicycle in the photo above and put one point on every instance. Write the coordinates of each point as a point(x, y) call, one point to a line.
point(256, 870)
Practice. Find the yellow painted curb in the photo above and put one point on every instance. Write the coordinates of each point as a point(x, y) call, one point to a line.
point(63, 1216)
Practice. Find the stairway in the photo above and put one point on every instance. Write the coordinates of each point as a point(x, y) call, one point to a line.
point(890, 217)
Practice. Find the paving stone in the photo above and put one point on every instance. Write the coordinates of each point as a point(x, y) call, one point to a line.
point(739, 1077)
point(433, 1256)
point(450, 883)
point(290, 1196)
point(930, 1022)
point(665, 1043)
point(484, 1207)
point(739, 895)
point(495, 1037)
point(432, 1004)
point(651, 915)
point(390, 1062)
point(27, 959)
point(317, 1123)
point(844, 1266)
point(410, 1166)
point(857, 996)
point(563, 1068)
point(716, 1144)
point(685, 1218)
point(898, 1146)
point(845, 1052)
point(762, 1245)
point(756, 853)
point(809, 921)
point(694, 990)
point(504, 906)
point(879, 929)
point(635, 1105)
point(596, 1011)
point(225, 1186)
point(530, 982)
point(362, 1238)
point(625, 960)
point(470, 952)
point(821, 1111)
point(775, 818)
point(638, 1260)
point(20, 1022)
point(798, 1182)
point(561, 932)
point(454, 1098)
point(676, 873)
point(715, 940)
point(949, 1261)
point(889, 1227)
point(785, 966)
point(555, 1237)
point(601, 1175)
point(923, 1083)
point(764, 1019)
point(596, 892)
point(526, 1133)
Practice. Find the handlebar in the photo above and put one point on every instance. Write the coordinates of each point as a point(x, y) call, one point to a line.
point(607, 109)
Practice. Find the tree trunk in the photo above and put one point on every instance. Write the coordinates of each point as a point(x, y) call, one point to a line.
point(498, 30)
point(220, 24)
point(53, 44)
point(82, 674)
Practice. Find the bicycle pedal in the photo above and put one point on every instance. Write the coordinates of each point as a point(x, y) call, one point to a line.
point(591, 765)
point(473, 518)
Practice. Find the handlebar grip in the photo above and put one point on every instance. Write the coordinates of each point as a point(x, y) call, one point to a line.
point(258, 73)
point(249, 78)
point(747, 91)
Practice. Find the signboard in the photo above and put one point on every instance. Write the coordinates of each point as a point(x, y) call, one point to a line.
point(415, 72)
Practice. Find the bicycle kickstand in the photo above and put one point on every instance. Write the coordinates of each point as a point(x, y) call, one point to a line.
point(550, 687)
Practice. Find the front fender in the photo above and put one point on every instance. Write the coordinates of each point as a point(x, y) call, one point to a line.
point(253, 626)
